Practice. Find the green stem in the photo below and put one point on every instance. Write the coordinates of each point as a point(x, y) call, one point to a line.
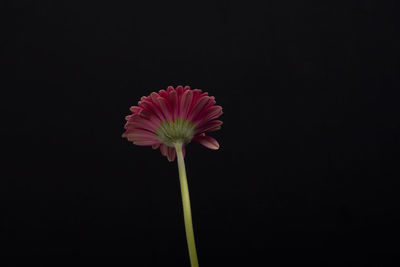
point(187, 214)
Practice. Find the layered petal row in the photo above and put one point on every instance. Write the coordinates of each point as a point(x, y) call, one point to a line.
point(173, 115)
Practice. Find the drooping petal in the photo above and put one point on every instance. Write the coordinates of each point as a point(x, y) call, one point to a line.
point(207, 141)
point(164, 149)
point(156, 146)
point(171, 154)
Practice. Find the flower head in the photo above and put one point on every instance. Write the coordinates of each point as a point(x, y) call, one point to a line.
point(173, 116)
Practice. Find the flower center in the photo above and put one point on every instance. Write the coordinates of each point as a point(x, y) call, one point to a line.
point(171, 132)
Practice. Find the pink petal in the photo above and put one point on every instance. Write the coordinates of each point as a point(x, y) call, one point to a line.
point(165, 109)
point(210, 103)
point(140, 138)
point(210, 114)
point(135, 109)
point(141, 132)
point(173, 101)
point(154, 97)
point(171, 154)
point(163, 93)
point(138, 125)
point(196, 97)
point(179, 90)
point(145, 142)
point(139, 135)
point(156, 103)
point(170, 89)
point(163, 149)
point(204, 109)
point(209, 126)
point(150, 107)
point(184, 151)
point(207, 141)
point(198, 107)
point(196, 94)
point(139, 122)
point(149, 141)
point(185, 103)
point(150, 117)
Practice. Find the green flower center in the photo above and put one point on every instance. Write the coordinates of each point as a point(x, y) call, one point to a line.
point(171, 132)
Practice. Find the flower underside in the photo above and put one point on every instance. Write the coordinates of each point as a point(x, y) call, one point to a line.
point(171, 117)
point(178, 131)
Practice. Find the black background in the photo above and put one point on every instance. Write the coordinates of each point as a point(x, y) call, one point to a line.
point(307, 172)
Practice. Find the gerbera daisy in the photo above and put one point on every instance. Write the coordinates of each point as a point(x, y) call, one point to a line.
point(172, 116)
point(169, 120)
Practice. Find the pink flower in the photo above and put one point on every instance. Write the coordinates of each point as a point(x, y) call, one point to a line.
point(173, 116)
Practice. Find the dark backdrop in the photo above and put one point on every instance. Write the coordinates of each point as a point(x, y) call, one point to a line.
point(307, 170)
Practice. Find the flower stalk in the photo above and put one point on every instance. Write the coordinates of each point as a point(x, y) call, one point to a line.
point(187, 213)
